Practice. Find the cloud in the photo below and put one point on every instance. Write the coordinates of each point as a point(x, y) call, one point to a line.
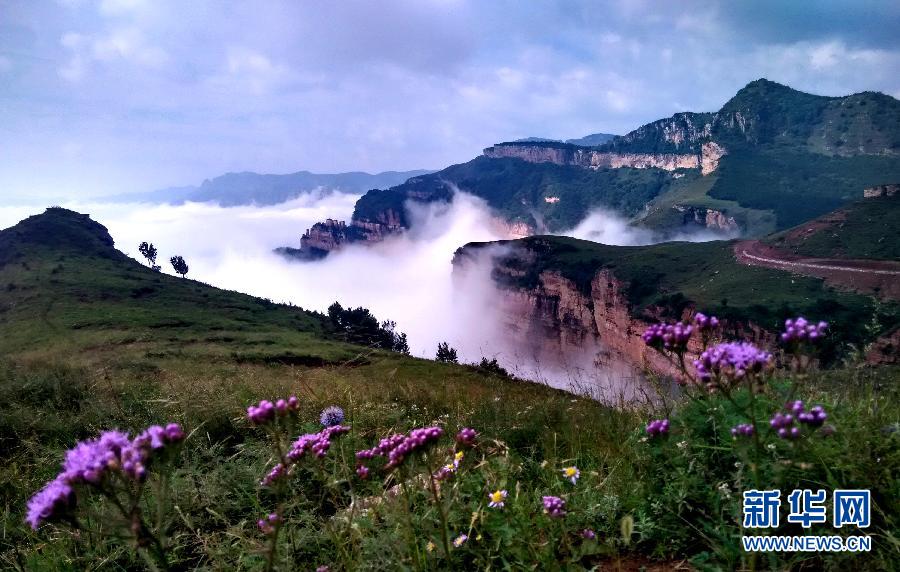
point(168, 93)
point(125, 45)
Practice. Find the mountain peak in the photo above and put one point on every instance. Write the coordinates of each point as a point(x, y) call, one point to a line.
point(58, 228)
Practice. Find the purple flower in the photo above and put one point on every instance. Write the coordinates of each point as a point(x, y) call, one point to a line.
point(783, 423)
point(742, 430)
point(588, 534)
point(672, 337)
point(90, 461)
point(732, 360)
point(262, 413)
point(800, 330)
point(705, 323)
point(267, 525)
point(333, 415)
point(362, 472)
point(815, 417)
point(466, 436)
point(554, 506)
point(277, 472)
point(658, 427)
point(50, 502)
point(316, 443)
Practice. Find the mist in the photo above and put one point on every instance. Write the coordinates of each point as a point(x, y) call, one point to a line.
point(407, 278)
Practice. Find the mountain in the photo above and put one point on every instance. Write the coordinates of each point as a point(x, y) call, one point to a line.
point(771, 158)
point(234, 189)
point(591, 140)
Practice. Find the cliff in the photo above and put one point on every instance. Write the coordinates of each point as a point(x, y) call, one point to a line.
point(565, 300)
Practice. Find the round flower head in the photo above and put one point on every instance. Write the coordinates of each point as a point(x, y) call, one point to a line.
point(732, 361)
point(362, 472)
point(262, 413)
point(705, 323)
point(554, 506)
point(742, 430)
point(800, 330)
point(460, 540)
point(658, 428)
point(333, 415)
point(588, 534)
point(572, 473)
point(673, 337)
point(497, 498)
point(466, 436)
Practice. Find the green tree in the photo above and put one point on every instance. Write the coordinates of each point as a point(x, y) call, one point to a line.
point(179, 265)
point(446, 354)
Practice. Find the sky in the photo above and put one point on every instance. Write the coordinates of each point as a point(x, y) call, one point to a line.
point(101, 97)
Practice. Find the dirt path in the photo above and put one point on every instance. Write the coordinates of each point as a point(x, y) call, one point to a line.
point(879, 277)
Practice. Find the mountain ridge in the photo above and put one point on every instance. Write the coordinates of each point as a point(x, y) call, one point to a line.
point(770, 158)
point(248, 187)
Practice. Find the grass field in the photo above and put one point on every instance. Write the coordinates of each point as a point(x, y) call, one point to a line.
point(865, 229)
point(92, 341)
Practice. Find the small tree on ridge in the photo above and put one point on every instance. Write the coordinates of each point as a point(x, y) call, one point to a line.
point(149, 252)
point(179, 265)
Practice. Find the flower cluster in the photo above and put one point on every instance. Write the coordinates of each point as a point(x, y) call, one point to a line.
point(266, 411)
point(705, 323)
point(554, 506)
point(658, 427)
point(466, 436)
point(815, 417)
point(316, 443)
point(783, 423)
point(333, 415)
point(267, 525)
point(91, 461)
point(800, 330)
point(397, 447)
point(588, 534)
point(672, 337)
point(742, 430)
point(732, 360)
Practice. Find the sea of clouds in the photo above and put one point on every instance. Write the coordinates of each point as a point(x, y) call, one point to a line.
point(406, 278)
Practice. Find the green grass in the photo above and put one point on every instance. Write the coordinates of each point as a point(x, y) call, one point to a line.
point(866, 229)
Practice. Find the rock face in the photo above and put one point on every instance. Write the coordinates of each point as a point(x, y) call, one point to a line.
point(881, 191)
point(708, 218)
point(562, 326)
point(707, 160)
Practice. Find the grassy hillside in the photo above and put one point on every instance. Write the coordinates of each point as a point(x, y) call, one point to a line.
point(799, 186)
point(90, 341)
point(867, 228)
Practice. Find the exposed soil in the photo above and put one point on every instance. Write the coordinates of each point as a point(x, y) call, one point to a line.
point(875, 277)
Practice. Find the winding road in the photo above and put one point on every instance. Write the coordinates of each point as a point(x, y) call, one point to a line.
point(880, 277)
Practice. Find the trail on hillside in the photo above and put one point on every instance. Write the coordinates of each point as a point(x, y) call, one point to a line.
point(878, 277)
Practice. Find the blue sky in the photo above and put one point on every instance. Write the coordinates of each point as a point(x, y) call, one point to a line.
point(110, 96)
